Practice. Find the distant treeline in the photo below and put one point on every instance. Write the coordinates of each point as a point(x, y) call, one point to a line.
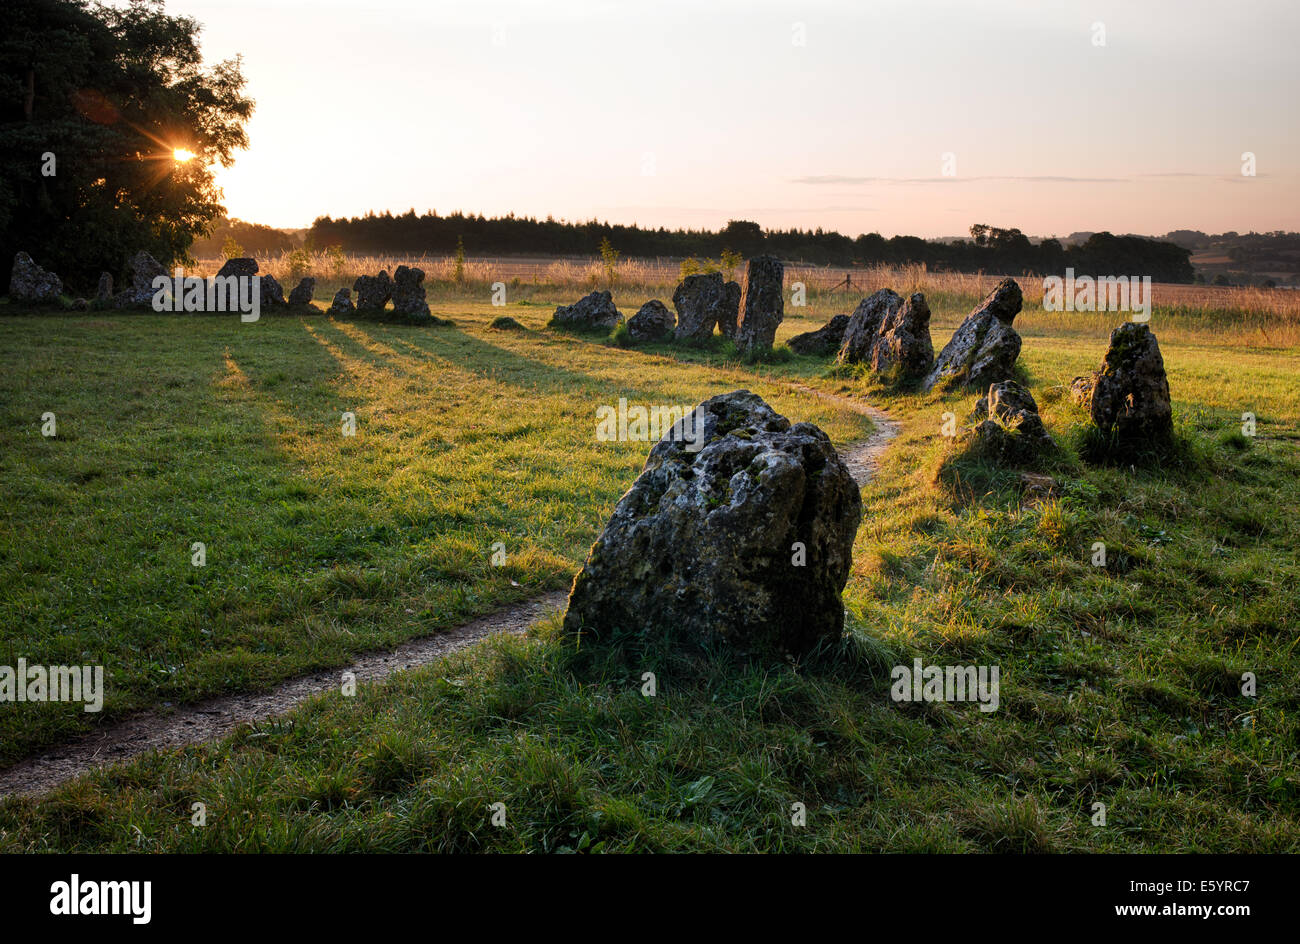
point(990, 249)
point(242, 239)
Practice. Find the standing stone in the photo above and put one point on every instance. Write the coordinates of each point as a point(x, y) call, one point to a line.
point(699, 303)
point(823, 342)
point(864, 325)
point(373, 291)
point(984, 348)
point(104, 292)
point(744, 544)
point(1130, 400)
point(302, 293)
point(729, 313)
point(409, 302)
point(30, 283)
point(762, 305)
point(594, 311)
point(342, 304)
point(1011, 429)
point(144, 269)
point(272, 293)
point(903, 343)
point(243, 266)
point(652, 322)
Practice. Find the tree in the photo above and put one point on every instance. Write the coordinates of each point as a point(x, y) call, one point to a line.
point(112, 93)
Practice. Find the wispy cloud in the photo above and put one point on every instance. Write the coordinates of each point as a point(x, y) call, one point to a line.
point(852, 181)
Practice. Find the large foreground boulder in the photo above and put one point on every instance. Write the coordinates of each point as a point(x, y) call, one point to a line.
point(823, 342)
point(590, 313)
point(652, 322)
point(984, 348)
point(903, 345)
point(729, 313)
point(373, 291)
point(863, 329)
point(30, 283)
point(743, 545)
point(1130, 399)
point(1009, 428)
point(699, 300)
point(762, 306)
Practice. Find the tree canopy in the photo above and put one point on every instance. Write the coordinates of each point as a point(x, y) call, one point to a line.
point(95, 101)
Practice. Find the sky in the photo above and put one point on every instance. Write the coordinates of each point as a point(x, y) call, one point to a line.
point(918, 117)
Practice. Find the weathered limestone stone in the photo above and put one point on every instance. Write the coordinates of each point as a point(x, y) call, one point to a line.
point(744, 543)
point(144, 269)
point(699, 302)
point(272, 293)
point(592, 312)
point(373, 291)
point(652, 322)
point(1130, 400)
point(864, 325)
point(984, 348)
point(762, 305)
point(242, 266)
point(302, 293)
point(30, 283)
point(342, 305)
point(409, 302)
point(729, 313)
point(903, 344)
point(823, 342)
point(1011, 429)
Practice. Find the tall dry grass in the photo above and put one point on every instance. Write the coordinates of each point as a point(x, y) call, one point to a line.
point(1220, 315)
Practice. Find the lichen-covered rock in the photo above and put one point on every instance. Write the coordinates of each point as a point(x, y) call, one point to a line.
point(903, 344)
point(409, 302)
point(373, 291)
point(652, 322)
point(1010, 429)
point(342, 305)
point(864, 325)
point(698, 300)
point(762, 305)
point(144, 269)
point(729, 313)
point(591, 312)
point(823, 342)
point(104, 291)
point(272, 293)
point(984, 348)
point(506, 323)
point(243, 266)
point(1081, 389)
point(30, 283)
point(1130, 400)
point(743, 544)
point(303, 292)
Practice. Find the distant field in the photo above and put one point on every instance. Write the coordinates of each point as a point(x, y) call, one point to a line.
point(1119, 685)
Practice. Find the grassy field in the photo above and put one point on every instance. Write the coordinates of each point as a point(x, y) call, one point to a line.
point(1120, 685)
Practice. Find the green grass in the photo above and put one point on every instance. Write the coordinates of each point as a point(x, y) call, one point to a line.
point(1120, 684)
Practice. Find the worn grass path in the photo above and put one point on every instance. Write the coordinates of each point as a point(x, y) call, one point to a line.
point(218, 717)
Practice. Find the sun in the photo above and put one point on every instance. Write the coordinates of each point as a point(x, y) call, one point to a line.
point(182, 156)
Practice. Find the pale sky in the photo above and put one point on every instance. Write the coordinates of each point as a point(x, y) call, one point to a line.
point(671, 113)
